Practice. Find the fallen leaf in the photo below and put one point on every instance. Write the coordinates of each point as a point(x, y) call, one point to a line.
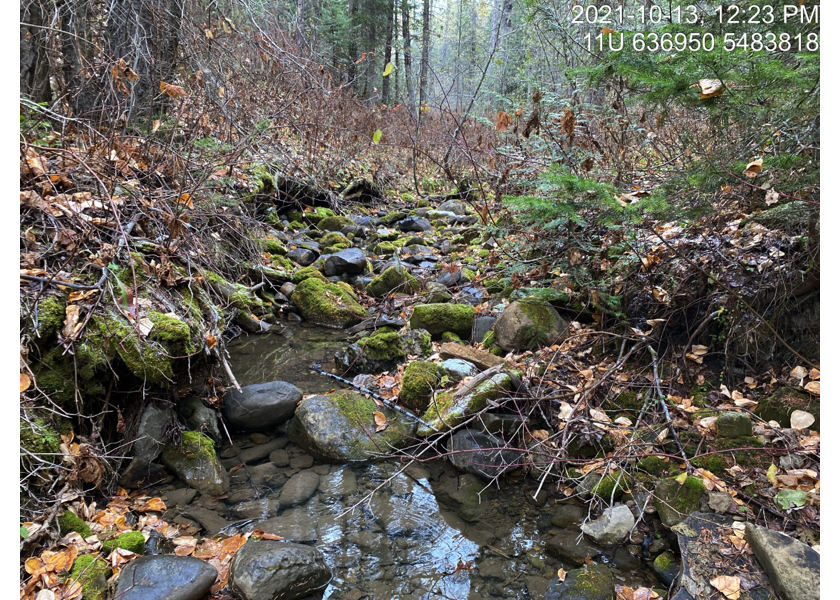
point(813, 387)
point(787, 499)
point(728, 585)
point(561, 574)
point(381, 421)
point(681, 478)
point(152, 505)
point(25, 382)
point(799, 419)
point(799, 373)
point(771, 474)
point(754, 168)
point(771, 197)
point(814, 373)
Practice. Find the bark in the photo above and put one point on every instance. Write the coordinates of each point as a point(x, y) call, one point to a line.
point(34, 59)
point(406, 32)
point(386, 81)
point(424, 58)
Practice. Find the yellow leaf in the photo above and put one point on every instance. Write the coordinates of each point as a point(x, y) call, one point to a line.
point(799, 419)
point(153, 505)
point(681, 478)
point(389, 68)
point(185, 199)
point(561, 574)
point(728, 585)
point(381, 421)
point(208, 34)
point(813, 387)
point(771, 474)
point(25, 382)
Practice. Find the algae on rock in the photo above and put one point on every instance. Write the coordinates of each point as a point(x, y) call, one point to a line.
point(327, 304)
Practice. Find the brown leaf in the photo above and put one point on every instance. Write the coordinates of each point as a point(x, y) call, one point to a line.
point(503, 121)
point(173, 91)
point(567, 123)
point(381, 421)
point(185, 199)
point(71, 322)
point(754, 168)
point(728, 585)
point(25, 382)
point(152, 505)
point(813, 387)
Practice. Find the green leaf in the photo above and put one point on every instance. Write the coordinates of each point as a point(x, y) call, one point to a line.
point(24, 533)
point(787, 499)
point(377, 135)
point(388, 69)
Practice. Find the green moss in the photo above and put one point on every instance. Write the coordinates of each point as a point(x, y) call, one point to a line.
point(145, 360)
point(283, 264)
point(489, 340)
point(781, 404)
point(419, 382)
point(700, 396)
point(295, 225)
point(334, 223)
point(448, 336)
point(334, 238)
point(627, 400)
point(383, 248)
point(173, 332)
point(327, 304)
point(392, 280)
point(664, 561)
point(194, 446)
point(69, 522)
point(654, 465)
point(40, 438)
point(712, 462)
point(744, 458)
point(305, 273)
point(51, 313)
point(392, 217)
point(541, 295)
point(406, 196)
point(483, 253)
point(611, 485)
point(273, 247)
point(383, 346)
point(437, 318)
point(130, 540)
point(468, 274)
point(93, 573)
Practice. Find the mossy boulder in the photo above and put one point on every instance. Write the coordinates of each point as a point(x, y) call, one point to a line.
point(382, 248)
point(194, 460)
point(271, 246)
point(69, 522)
point(528, 325)
point(130, 540)
point(420, 380)
point(592, 582)
point(392, 217)
point(448, 336)
point(392, 280)
point(733, 424)
point(341, 427)
point(541, 295)
point(611, 486)
point(336, 223)
point(714, 463)
point(305, 273)
point(327, 304)
point(674, 501)
point(334, 238)
point(744, 458)
point(50, 314)
point(437, 318)
point(666, 567)
point(654, 465)
point(93, 573)
point(488, 342)
point(449, 410)
point(373, 354)
point(781, 403)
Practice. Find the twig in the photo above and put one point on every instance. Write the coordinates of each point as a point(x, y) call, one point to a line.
point(664, 406)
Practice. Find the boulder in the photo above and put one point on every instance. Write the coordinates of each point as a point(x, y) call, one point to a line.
point(481, 454)
point(340, 427)
point(481, 327)
point(298, 489)
point(260, 406)
point(327, 304)
point(392, 280)
point(420, 380)
point(303, 256)
point(274, 570)
point(674, 500)
point(571, 547)
point(415, 224)
point(666, 567)
point(373, 354)
point(351, 261)
point(417, 342)
point(793, 567)
point(453, 206)
point(448, 410)
point(294, 525)
point(780, 405)
point(194, 460)
point(141, 473)
point(201, 418)
point(437, 318)
point(525, 325)
point(733, 424)
point(165, 577)
point(458, 369)
point(593, 582)
point(567, 514)
point(151, 436)
point(612, 526)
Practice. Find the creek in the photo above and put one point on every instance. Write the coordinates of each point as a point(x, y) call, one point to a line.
point(390, 530)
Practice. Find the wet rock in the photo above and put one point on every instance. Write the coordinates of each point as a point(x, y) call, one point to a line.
point(140, 473)
point(259, 438)
point(420, 380)
point(340, 427)
point(567, 514)
point(458, 369)
point(262, 508)
point(611, 527)
point(201, 418)
point(466, 495)
point(303, 256)
point(298, 489)
point(255, 453)
point(666, 567)
point(194, 460)
point(415, 224)
point(481, 326)
point(449, 278)
point(674, 501)
point(301, 461)
point(524, 326)
point(180, 497)
point(593, 582)
point(373, 354)
point(481, 454)
point(294, 525)
point(448, 410)
point(351, 261)
point(733, 424)
point(260, 406)
point(267, 474)
point(279, 458)
point(473, 295)
point(273, 570)
point(571, 547)
point(793, 567)
point(165, 577)
point(437, 318)
point(328, 304)
point(151, 433)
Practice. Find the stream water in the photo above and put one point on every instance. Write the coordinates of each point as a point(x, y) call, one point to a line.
point(389, 531)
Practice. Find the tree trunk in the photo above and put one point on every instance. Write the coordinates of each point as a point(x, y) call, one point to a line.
point(386, 81)
point(34, 61)
point(424, 57)
point(406, 32)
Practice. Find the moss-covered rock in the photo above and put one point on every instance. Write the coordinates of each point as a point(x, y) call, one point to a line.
point(392, 217)
point(417, 342)
point(194, 460)
point(109, 334)
point(744, 458)
point(392, 280)
point(172, 331)
point(781, 403)
point(334, 238)
point(93, 573)
point(336, 223)
point(541, 295)
point(674, 501)
point(715, 463)
point(611, 486)
point(654, 465)
point(592, 582)
point(378, 352)
point(272, 246)
point(447, 411)
point(327, 304)
point(382, 248)
point(448, 336)
point(437, 318)
point(130, 540)
point(527, 325)
point(733, 424)
point(341, 427)
point(305, 273)
point(666, 567)
point(69, 522)
point(419, 382)
point(51, 314)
